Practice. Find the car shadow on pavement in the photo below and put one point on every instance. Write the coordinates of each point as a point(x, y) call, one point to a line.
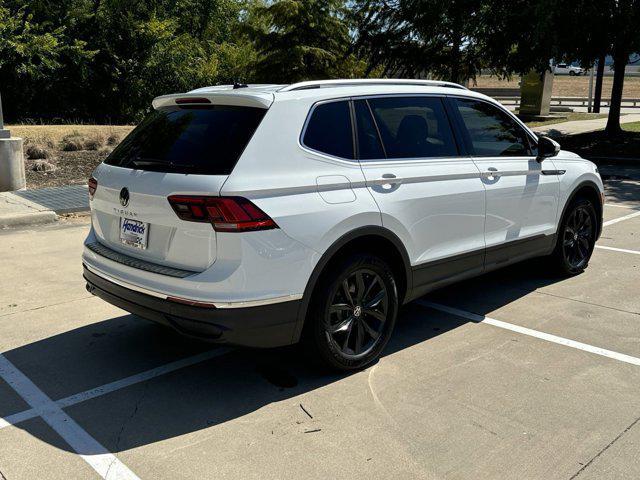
point(621, 181)
point(621, 189)
point(217, 390)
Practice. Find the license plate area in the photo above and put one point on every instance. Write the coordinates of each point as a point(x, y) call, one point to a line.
point(134, 233)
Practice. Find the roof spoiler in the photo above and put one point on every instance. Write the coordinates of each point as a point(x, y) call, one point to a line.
point(238, 97)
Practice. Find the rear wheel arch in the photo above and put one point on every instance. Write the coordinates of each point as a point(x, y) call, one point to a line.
point(374, 240)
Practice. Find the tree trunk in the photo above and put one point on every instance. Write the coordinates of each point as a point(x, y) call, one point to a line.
point(599, 78)
point(620, 60)
point(454, 75)
point(455, 59)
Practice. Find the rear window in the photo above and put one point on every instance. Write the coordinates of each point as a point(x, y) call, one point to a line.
point(205, 141)
point(413, 127)
point(329, 130)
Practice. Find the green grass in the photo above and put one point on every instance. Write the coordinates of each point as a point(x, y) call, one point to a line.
point(570, 118)
point(631, 127)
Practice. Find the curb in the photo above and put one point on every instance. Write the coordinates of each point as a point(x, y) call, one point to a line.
point(19, 212)
point(28, 219)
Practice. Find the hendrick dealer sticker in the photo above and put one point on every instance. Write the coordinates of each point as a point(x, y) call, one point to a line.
point(134, 233)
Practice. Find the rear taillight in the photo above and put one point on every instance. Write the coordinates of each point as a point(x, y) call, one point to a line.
point(226, 214)
point(93, 186)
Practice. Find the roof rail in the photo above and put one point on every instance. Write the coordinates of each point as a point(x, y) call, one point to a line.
point(373, 81)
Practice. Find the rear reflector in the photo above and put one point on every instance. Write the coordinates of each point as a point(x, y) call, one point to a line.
point(226, 214)
point(93, 185)
point(188, 100)
point(191, 303)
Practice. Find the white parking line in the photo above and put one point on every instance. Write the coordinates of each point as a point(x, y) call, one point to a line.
point(628, 207)
point(623, 250)
point(620, 219)
point(117, 385)
point(98, 457)
point(621, 357)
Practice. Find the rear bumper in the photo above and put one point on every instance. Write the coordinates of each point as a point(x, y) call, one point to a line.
point(270, 325)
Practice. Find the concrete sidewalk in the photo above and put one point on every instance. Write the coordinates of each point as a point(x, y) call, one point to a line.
point(43, 205)
point(581, 126)
point(19, 212)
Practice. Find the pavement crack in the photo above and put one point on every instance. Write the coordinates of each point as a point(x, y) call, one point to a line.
point(579, 301)
point(609, 445)
point(2, 477)
point(44, 306)
point(124, 425)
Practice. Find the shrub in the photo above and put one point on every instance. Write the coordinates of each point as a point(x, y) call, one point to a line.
point(94, 143)
point(113, 139)
point(43, 166)
point(106, 150)
point(38, 152)
point(72, 142)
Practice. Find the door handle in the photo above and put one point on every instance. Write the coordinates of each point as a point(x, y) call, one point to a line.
point(387, 184)
point(389, 179)
point(491, 172)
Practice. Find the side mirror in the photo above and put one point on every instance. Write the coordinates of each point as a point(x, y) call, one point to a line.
point(547, 148)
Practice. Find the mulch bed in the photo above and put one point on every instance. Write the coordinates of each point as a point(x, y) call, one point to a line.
point(71, 168)
point(596, 145)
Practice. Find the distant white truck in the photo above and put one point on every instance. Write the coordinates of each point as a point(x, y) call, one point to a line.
point(566, 69)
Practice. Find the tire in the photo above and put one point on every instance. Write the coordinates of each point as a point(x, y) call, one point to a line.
point(572, 73)
point(353, 313)
point(576, 238)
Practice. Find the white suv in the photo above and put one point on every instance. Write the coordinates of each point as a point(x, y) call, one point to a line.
point(268, 214)
point(567, 69)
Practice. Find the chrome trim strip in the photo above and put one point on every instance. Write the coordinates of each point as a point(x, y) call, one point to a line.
point(247, 304)
point(259, 303)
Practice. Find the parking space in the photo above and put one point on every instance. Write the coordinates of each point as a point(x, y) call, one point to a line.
point(471, 385)
point(622, 185)
point(621, 235)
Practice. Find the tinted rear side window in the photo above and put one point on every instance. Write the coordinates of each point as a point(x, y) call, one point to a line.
point(329, 130)
point(205, 141)
point(413, 127)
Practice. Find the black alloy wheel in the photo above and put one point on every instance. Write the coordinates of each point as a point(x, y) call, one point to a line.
point(353, 313)
point(358, 313)
point(578, 238)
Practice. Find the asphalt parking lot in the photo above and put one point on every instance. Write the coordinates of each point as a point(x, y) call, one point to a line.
point(516, 374)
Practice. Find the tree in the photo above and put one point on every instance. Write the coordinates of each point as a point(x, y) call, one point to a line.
point(583, 30)
point(419, 37)
point(33, 58)
point(104, 60)
point(606, 27)
point(303, 40)
point(597, 97)
point(623, 17)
